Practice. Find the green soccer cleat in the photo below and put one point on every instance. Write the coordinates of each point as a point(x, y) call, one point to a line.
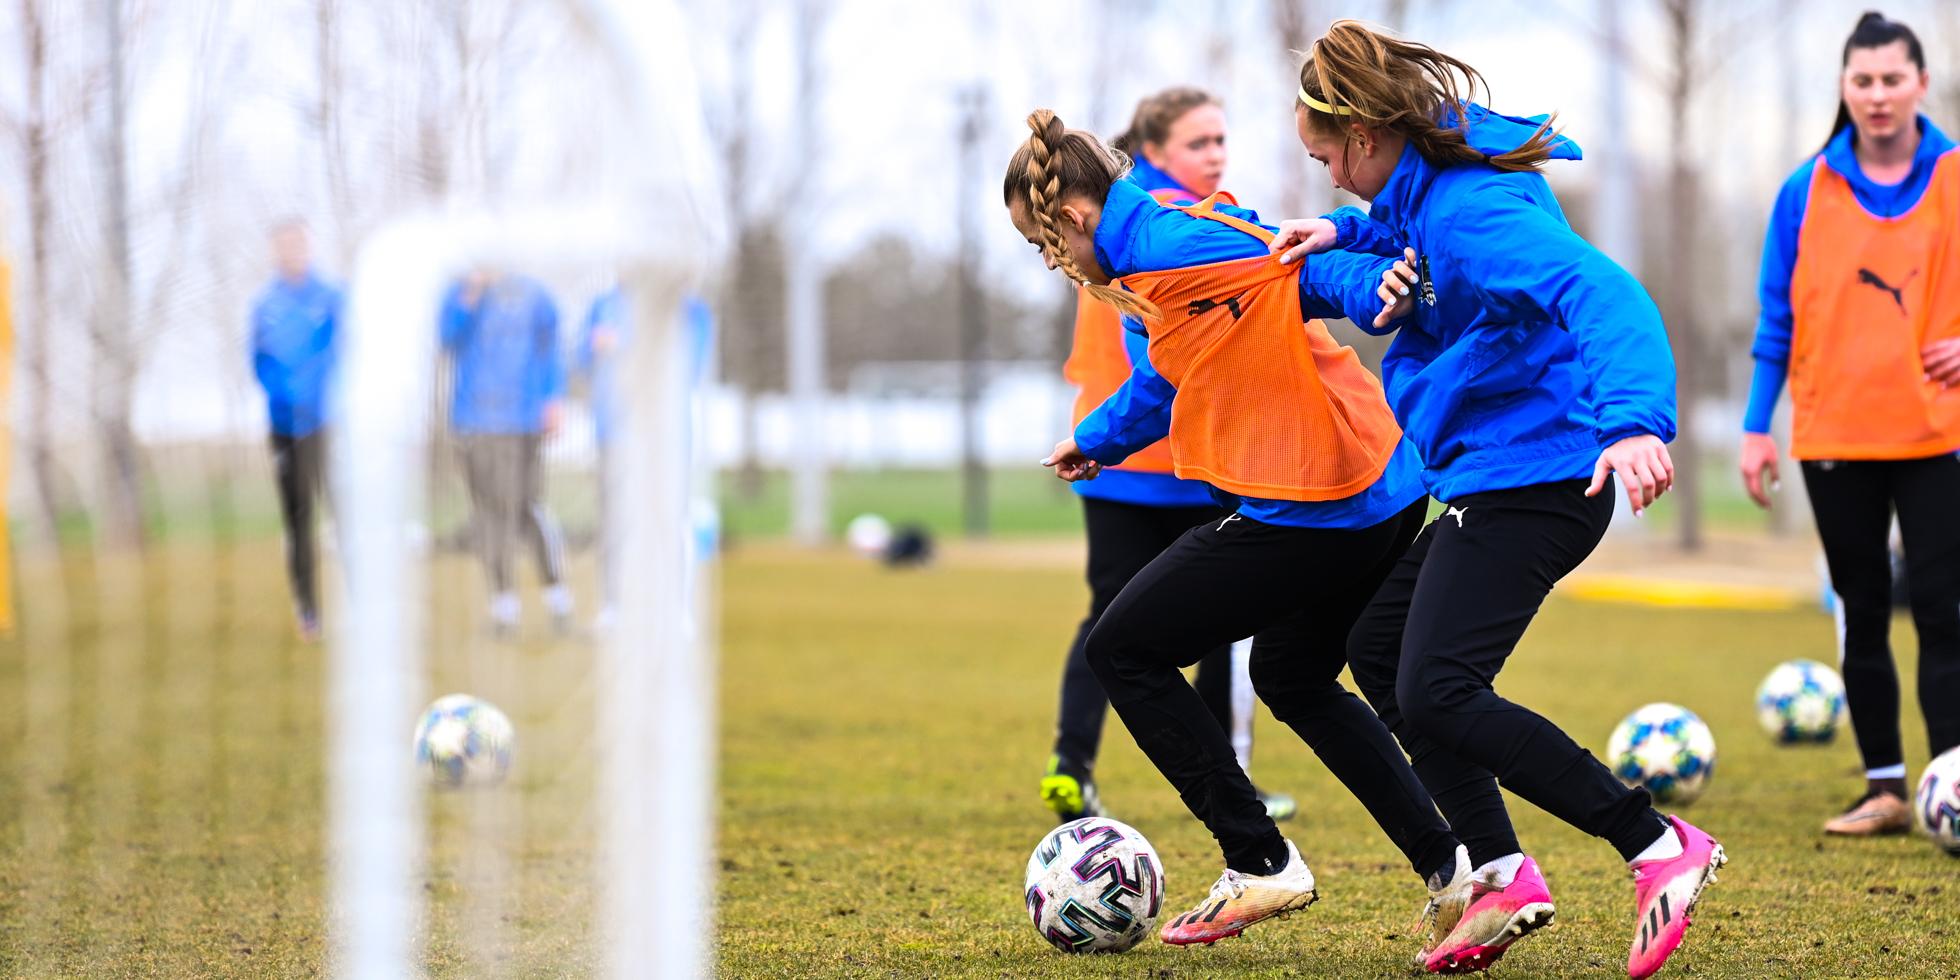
point(1279, 806)
point(1070, 792)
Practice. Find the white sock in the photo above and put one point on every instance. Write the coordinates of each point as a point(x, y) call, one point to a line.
point(558, 599)
point(1887, 772)
point(1667, 845)
point(504, 608)
point(1501, 872)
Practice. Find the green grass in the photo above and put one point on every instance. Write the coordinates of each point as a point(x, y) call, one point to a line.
point(1022, 501)
point(161, 788)
point(882, 746)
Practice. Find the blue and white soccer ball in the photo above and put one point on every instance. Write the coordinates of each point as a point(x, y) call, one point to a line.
point(1094, 886)
point(1664, 748)
point(1801, 701)
point(464, 741)
point(1936, 807)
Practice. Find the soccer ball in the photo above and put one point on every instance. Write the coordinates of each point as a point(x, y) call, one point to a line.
point(1937, 805)
point(1664, 748)
point(1801, 701)
point(1094, 886)
point(464, 741)
point(869, 535)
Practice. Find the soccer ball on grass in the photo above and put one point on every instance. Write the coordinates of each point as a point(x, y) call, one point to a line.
point(1801, 701)
point(1094, 886)
point(1936, 807)
point(1664, 748)
point(464, 741)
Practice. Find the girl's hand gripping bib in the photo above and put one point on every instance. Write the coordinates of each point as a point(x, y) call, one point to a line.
point(1267, 405)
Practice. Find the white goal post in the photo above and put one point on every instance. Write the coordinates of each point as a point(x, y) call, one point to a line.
point(655, 679)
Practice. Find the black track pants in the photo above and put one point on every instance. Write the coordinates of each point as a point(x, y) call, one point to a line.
point(504, 473)
point(1297, 590)
point(1429, 646)
point(1854, 501)
point(1122, 539)
point(299, 466)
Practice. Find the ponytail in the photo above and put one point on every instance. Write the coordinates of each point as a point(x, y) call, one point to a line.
point(1057, 163)
point(1874, 31)
point(1156, 114)
point(1357, 75)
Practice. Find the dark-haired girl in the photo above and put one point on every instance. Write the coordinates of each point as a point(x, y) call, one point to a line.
point(1137, 509)
point(1527, 367)
point(1861, 314)
point(1292, 432)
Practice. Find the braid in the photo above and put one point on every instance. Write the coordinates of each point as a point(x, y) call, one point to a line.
point(1047, 161)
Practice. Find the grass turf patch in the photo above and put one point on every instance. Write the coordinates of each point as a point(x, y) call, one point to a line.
point(884, 732)
point(162, 788)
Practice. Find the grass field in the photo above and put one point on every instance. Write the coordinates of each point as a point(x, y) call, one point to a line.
point(161, 789)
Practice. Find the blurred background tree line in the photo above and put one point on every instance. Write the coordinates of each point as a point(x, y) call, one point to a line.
point(153, 142)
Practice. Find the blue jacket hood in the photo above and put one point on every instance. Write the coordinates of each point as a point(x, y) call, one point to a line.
point(1494, 133)
point(1145, 175)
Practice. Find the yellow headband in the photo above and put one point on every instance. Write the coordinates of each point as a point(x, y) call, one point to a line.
point(1313, 103)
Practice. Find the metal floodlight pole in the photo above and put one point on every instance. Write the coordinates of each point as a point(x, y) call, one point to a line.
point(655, 680)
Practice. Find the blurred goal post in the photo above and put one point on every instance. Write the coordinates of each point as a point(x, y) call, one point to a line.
point(655, 680)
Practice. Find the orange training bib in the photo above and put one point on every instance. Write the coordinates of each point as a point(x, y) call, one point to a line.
point(1097, 364)
point(1867, 294)
point(1267, 405)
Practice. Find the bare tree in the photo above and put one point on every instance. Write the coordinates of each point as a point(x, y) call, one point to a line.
point(36, 150)
point(1295, 24)
point(110, 329)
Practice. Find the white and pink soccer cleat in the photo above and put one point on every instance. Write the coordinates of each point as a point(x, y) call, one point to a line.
point(1240, 900)
point(1493, 919)
point(1665, 892)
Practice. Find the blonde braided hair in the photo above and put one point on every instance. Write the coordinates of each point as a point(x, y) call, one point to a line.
point(1056, 163)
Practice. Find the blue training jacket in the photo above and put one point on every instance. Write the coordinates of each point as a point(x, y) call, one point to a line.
point(1537, 350)
point(1137, 486)
point(508, 365)
point(293, 328)
point(1138, 235)
point(1773, 330)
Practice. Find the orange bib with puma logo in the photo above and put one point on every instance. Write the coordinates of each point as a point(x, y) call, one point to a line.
point(1267, 405)
point(1098, 364)
point(1868, 293)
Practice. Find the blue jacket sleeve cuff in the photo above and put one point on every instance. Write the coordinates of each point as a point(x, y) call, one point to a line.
point(1764, 389)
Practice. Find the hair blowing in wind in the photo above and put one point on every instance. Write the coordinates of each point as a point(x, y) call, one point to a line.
point(1383, 82)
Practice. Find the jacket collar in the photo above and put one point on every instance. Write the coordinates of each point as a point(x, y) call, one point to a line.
point(1122, 214)
point(1843, 157)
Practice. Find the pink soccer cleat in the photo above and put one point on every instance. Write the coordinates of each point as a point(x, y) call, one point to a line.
point(1665, 893)
point(1493, 920)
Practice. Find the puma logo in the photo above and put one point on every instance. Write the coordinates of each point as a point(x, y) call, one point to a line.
point(1870, 278)
point(1228, 519)
point(1456, 512)
point(1207, 305)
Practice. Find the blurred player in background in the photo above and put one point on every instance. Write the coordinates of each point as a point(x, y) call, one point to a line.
point(501, 333)
point(294, 321)
point(600, 345)
point(1860, 302)
point(1137, 509)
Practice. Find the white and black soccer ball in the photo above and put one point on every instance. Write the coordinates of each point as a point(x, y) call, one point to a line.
point(464, 741)
point(1936, 807)
point(1665, 748)
point(1094, 886)
point(869, 535)
point(1801, 701)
